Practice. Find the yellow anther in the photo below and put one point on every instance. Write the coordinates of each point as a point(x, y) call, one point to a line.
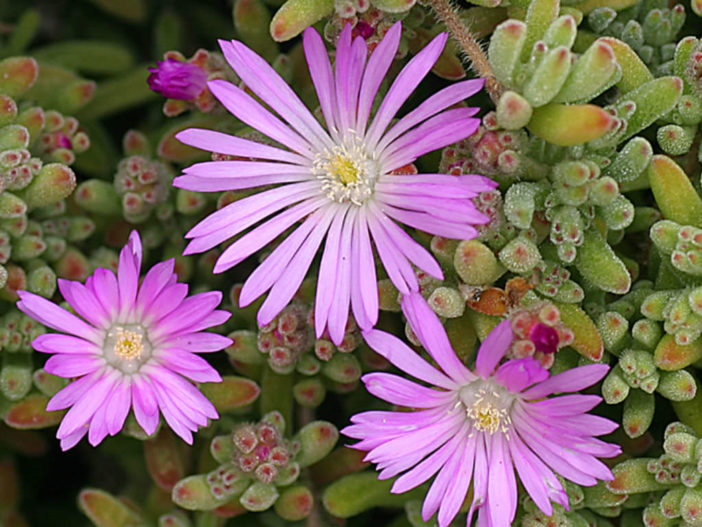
point(129, 344)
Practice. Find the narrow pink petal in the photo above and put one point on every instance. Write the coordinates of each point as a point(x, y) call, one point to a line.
point(502, 487)
point(262, 235)
point(104, 286)
point(245, 108)
point(243, 169)
point(222, 143)
point(493, 348)
point(266, 274)
point(397, 390)
point(567, 405)
point(260, 205)
point(458, 486)
point(219, 184)
point(431, 465)
point(73, 392)
point(328, 272)
point(441, 130)
point(57, 343)
point(476, 184)
point(128, 274)
point(376, 69)
point(97, 428)
point(68, 366)
point(421, 440)
point(427, 326)
point(145, 406)
point(453, 188)
point(364, 292)
point(200, 342)
point(183, 361)
point(572, 380)
point(396, 265)
point(154, 282)
point(118, 406)
point(452, 210)
point(292, 276)
point(165, 302)
point(430, 107)
point(448, 476)
point(405, 83)
point(339, 311)
point(179, 387)
point(480, 477)
point(55, 317)
point(401, 356)
point(84, 408)
point(414, 252)
point(173, 416)
point(72, 440)
point(431, 224)
point(544, 450)
point(538, 480)
point(265, 82)
point(517, 374)
point(83, 301)
point(350, 60)
point(190, 311)
point(321, 74)
point(216, 318)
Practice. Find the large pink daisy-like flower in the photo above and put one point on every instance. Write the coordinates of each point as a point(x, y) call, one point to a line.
point(132, 349)
point(480, 426)
point(335, 179)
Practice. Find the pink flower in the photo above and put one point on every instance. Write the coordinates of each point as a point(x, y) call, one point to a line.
point(131, 349)
point(177, 80)
point(337, 180)
point(480, 426)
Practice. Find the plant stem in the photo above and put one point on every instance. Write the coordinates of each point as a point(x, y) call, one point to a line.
point(447, 14)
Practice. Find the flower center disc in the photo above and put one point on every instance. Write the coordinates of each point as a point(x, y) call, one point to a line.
point(346, 172)
point(127, 347)
point(487, 408)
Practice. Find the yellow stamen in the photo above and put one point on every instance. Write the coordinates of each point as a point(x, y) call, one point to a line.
point(486, 417)
point(344, 169)
point(129, 344)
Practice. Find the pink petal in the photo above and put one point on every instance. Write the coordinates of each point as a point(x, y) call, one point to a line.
point(321, 74)
point(328, 272)
point(431, 106)
point(572, 380)
point(376, 69)
point(401, 356)
point(55, 317)
point(244, 107)
point(427, 326)
point(265, 82)
point(213, 141)
point(493, 348)
point(405, 83)
point(339, 310)
point(75, 365)
point(397, 390)
point(57, 343)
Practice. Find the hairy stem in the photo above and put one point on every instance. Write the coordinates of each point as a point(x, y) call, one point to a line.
point(446, 13)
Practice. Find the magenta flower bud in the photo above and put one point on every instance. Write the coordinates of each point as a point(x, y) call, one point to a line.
point(544, 337)
point(177, 80)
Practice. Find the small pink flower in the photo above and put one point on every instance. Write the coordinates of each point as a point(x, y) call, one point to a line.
point(334, 182)
point(177, 80)
point(479, 426)
point(133, 348)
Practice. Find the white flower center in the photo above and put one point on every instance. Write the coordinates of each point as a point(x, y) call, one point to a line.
point(347, 172)
point(127, 347)
point(487, 406)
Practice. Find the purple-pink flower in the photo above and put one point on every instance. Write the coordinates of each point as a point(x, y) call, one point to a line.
point(480, 425)
point(177, 80)
point(130, 347)
point(336, 180)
